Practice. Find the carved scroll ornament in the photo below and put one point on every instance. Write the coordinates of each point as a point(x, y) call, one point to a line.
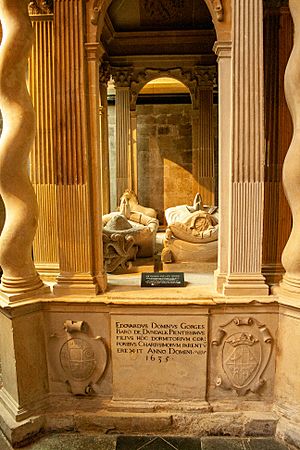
point(218, 8)
point(97, 8)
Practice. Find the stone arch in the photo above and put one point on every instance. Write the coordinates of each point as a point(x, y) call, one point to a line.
point(220, 11)
point(140, 79)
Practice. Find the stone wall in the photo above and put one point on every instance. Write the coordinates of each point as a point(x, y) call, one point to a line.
point(287, 386)
point(164, 142)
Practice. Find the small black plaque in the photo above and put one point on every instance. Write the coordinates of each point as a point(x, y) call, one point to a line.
point(162, 279)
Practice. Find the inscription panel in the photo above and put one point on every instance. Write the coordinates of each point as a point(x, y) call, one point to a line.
point(159, 357)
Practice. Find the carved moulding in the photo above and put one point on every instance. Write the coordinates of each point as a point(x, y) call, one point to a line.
point(40, 7)
point(245, 347)
point(78, 358)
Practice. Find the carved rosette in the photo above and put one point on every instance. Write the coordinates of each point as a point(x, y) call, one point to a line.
point(242, 350)
point(78, 358)
point(36, 7)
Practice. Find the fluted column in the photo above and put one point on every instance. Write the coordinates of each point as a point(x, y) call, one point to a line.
point(77, 150)
point(122, 104)
point(41, 85)
point(223, 51)
point(203, 148)
point(104, 139)
point(291, 168)
point(246, 193)
point(20, 278)
point(278, 42)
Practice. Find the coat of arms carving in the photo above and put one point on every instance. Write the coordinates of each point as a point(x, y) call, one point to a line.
point(79, 359)
point(245, 347)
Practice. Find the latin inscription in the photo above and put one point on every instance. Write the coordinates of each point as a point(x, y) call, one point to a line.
point(159, 356)
point(160, 341)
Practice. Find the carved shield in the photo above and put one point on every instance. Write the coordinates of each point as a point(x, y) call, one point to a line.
point(78, 359)
point(241, 358)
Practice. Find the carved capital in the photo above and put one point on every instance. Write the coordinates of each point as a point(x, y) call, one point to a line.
point(122, 76)
point(40, 7)
point(206, 75)
point(104, 72)
point(218, 8)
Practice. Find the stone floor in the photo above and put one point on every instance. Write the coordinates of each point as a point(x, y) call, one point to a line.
point(75, 441)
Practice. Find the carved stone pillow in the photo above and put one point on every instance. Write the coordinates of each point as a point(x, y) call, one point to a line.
point(143, 236)
point(119, 224)
point(199, 228)
point(200, 221)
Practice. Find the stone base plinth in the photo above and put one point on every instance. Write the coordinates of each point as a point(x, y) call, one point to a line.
point(16, 297)
point(84, 284)
point(244, 284)
point(152, 361)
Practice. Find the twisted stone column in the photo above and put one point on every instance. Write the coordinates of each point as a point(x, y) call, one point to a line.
point(291, 167)
point(278, 37)
point(19, 275)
